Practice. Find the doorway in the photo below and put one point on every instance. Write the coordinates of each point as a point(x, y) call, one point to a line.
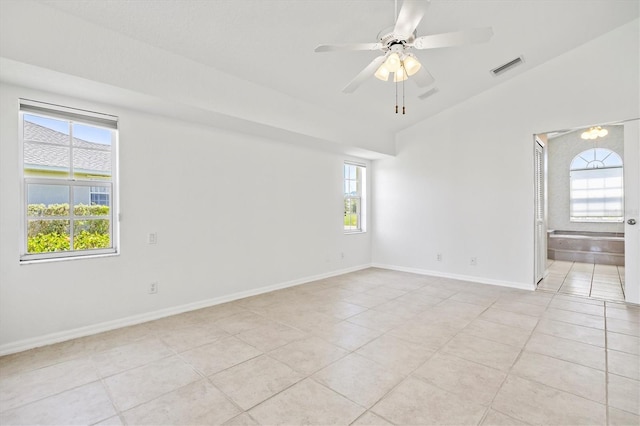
point(586, 206)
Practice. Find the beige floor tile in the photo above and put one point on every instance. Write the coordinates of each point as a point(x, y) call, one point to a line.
point(347, 335)
point(243, 321)
point(187, 319)
point(309, 355)
point(340, 310)
point(417, 402)
point(623, 312)
point(86, 404)
point(220, 355)
point(253, 381)
point(498, 332)
point(359, 379)
point(539, 404)
point(520, 308)
point(214, 313)
point(624, 393)
point(482, 351)
point(400, 309)
point(622, 418)
point(513, 319)
point(477, 299)
point(496, 418)
point(474, 381)
point(22, 388)
point(111, 421)
point(584, 308)
point(577, 379)
point(241, 420)
point(577, 318)
point(375, 320)
point(386, 292)
point(365, 300)
point(306, 403)
point(577, 299)
point(370, 419)
point(196, 403)
point(395, 353)
point(142, 384)
point(625, 327)
point(623, 364)
point(436, 290)
point(189, 337)
point(430, 335)
point(271, 336)
point(591, 336)
point(133, 355)
point(421, 299)
point(568, 350)
point(623, 343)
point(39, 357)
point(307, 321)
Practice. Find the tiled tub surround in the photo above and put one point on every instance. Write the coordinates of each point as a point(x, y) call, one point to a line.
point(371, 347)
point(604, 248)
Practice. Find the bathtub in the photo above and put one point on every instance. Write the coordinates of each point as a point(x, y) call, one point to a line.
point(606, 248)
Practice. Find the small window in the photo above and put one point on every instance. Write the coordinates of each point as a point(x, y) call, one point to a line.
point(69, 182)
point(354, 197)
point(596, 192)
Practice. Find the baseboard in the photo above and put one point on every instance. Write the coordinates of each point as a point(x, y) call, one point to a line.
point(479, 280)
point(61, 336)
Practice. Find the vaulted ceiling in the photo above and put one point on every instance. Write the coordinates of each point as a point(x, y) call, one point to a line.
point(270, 43)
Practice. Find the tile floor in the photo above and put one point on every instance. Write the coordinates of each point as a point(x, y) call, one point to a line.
point(373, 347)
point(584, 279)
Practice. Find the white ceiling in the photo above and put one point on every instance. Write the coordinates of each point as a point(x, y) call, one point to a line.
point(271, 43)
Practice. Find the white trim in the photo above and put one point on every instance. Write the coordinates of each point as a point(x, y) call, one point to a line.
point(479, 280)
point(61, 336)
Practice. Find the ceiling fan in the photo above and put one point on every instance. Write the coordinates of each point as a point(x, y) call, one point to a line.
point(397, 42)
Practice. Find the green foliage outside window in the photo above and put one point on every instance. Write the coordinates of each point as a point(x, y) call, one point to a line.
point(51, 235)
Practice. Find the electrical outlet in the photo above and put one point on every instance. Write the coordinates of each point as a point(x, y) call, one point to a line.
point(474, 261)
point(439, 257)
point(153, 238)
point(153, 288)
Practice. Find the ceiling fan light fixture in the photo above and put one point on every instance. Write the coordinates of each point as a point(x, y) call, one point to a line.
point(392, 64)
point(382, 73)
point(399, 75)
point(594, 133)
point(411, 64)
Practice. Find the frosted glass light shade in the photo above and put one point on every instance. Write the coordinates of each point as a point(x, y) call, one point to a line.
point(411, 65)
point(382, 73)
point(399, 75)
point(393, 62)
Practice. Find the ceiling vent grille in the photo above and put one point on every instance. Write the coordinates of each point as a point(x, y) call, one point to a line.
point(506, 67)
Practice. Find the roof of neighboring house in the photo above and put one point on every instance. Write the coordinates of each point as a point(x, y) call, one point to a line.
point(48, 149)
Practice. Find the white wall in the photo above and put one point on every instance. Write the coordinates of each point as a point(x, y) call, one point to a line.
point(233, 213)
point(462, 181)
point(560, 152)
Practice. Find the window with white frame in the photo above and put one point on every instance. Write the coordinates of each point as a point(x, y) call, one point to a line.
point(354, 197)
point(68, 181)
point(596, 186)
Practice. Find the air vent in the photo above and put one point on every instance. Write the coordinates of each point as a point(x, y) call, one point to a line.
point(506, 67)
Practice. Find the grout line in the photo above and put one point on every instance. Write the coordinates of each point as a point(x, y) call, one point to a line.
point(606, 366)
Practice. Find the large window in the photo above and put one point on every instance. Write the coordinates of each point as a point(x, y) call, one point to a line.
point(354, 197)
point(69, 182)
point(596, 186)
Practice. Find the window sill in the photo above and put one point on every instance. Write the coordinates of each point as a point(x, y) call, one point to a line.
point(67, 259)
point(354, 232)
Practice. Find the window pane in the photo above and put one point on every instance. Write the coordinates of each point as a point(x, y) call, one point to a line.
point(44, 236)
point(46, 149)
point(85, 198)
point(91, 234)
point(91, 164)
point(47, 200)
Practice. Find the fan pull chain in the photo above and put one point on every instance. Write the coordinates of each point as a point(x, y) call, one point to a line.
point(404, 74)
point(396, 94)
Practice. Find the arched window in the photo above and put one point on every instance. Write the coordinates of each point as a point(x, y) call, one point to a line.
point(596, 192)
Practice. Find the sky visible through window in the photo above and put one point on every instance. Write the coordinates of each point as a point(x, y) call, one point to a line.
point(80, 131)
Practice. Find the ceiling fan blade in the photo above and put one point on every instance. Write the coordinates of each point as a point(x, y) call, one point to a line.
point(364, 74)
point(347, 47)
point(475, 35)
point(422, 78)
point(409, 17)
point(428, 93)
